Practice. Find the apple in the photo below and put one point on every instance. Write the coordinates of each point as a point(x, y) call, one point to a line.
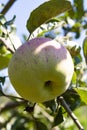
point(6, 43)
point(41, 69)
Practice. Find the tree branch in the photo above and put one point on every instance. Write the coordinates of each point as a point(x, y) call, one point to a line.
point(7, 6)
point(71, 114)
point(12, 105)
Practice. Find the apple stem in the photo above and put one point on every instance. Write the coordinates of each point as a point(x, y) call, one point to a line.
point(71, 114)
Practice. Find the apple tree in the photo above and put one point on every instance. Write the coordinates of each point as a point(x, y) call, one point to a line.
point(64, 22)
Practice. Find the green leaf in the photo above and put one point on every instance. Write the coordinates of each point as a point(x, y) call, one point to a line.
point(18, 124)
point(79, 8)
point(45, 12)
point(2, 19)
point(1, 93)
point(85, 49)
point(72, 98)
point(77, 60)
point(74, 78)
point(82, 93)
point(10, 22)
point(58, 118)
point(2, 80)
point(51, 104)
point(40, 126)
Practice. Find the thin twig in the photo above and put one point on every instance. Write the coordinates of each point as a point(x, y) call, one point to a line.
point(7, 6)
point(71, 114)
point(11, 42)
point(13, 97)
point(11, 105)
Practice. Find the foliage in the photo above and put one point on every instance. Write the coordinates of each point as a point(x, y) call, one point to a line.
point(65, 27)
point(55, 8)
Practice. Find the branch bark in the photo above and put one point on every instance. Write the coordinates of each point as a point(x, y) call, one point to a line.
point(7, 6)
point(71, 114)
point(12, 105)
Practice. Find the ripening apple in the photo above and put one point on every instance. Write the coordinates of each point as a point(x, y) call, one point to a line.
point(41, 69)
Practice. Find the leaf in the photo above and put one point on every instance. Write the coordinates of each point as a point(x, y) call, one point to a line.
point(77, 59)
point(40, 126)
point(58, 118)
point(2, 80)
point(82, 93)
point(1, 92)
point(10, 22)
point(51, 104)
point(79, 8)
point(74, 78)
point(45, 12)
point(85, 49)
point(18, 123)
point(72, 98)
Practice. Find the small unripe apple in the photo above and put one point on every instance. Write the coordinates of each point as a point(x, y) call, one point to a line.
point(5, 46)
point(41, 69)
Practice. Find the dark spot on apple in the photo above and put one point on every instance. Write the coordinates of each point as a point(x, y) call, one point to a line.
point(48, 83)
point(46, 59)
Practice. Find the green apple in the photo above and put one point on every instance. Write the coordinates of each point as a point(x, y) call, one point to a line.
point(5, 54)
point(41, 69)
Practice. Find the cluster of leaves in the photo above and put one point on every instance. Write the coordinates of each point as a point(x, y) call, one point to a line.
point(55, 23)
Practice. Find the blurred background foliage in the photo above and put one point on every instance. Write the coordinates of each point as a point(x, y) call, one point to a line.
point(66, 28)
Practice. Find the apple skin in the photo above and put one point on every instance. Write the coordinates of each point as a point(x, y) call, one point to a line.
point(41, 69)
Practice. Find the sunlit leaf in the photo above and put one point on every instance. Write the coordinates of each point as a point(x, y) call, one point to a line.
point(83, 93)
point(85, 49)
point(45, 12)
point(74, 78)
